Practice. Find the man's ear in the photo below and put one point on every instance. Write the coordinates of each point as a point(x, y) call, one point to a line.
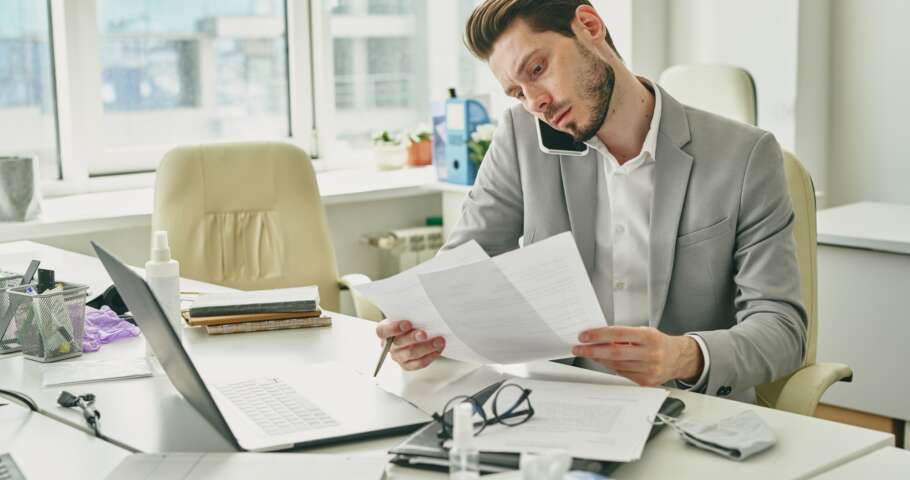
point(588, 25)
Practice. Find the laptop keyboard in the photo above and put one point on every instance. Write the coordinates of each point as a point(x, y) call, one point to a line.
point(276, 407)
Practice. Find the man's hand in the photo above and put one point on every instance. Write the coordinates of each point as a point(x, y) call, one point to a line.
point(642, 354)
point(411, 347)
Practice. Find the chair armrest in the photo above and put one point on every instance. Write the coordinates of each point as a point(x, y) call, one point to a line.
point(806, 386)
point(362, 307)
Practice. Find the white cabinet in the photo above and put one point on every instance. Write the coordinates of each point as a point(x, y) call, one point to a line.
point(864, 304)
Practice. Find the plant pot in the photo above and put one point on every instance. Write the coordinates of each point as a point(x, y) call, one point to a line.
point(20, 199)
point(389, 157)
point(420, 153)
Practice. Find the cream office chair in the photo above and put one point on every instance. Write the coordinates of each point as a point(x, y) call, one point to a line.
point(730, 91)
point(249, 216)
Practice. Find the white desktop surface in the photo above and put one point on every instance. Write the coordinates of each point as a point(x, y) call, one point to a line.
point(876, 226)
point(884, 464)
point(151, 416)
point(46, 448)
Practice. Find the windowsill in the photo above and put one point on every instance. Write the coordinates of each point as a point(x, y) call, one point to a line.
point(128, 208)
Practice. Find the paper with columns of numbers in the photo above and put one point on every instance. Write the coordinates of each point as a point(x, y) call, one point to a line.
point(524, 305)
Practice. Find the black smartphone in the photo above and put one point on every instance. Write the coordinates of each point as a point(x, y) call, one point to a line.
point(555, 142)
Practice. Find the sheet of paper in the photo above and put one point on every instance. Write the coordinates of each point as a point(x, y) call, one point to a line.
point(402, 297)
point(528, 304)
point(551, 276)
point(94, 371)
point(600, 422)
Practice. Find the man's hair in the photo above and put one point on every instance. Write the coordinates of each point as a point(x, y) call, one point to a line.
point(493, 17)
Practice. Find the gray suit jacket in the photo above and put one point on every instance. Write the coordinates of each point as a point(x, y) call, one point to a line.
point(722, 254)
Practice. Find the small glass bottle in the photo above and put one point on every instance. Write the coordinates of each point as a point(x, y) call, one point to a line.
point(464, 457)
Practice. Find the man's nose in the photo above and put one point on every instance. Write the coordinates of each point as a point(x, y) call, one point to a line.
point(539, 102)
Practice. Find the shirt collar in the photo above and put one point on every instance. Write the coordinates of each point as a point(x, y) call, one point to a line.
point(650, 144)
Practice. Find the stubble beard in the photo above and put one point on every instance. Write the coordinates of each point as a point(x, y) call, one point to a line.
point(595, 83)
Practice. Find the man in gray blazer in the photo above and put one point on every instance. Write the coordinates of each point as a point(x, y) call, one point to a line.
point(682, 218)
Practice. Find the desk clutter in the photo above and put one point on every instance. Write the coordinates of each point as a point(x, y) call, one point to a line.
point(49, 316)
point(258, 310)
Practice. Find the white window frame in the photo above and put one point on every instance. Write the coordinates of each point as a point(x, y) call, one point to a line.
point(77, 63)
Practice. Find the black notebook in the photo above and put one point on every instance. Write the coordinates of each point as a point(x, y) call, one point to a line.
point(285, 300)
point(422, 449)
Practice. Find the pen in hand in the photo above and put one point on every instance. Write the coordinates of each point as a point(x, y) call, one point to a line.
point(385, 353)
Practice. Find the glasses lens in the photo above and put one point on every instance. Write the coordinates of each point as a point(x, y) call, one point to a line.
point(512, 405)
point(478, 419)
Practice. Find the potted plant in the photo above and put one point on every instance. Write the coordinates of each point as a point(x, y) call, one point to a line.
point(420, 146)
point(387, 151)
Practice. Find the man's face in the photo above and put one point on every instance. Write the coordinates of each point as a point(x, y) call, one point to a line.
point(555, 77)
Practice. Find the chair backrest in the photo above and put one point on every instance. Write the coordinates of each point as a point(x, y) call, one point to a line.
point(730, 91)
point(722, 89)
point(247, 216)
point(802, 195)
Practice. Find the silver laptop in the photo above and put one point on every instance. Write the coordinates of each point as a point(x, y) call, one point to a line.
point(268, 412)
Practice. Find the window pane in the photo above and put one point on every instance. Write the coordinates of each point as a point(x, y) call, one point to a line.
point(391, 59)
point(176, 71)
point(27, 103)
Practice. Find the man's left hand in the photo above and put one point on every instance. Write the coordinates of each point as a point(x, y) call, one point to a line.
point(644, 355)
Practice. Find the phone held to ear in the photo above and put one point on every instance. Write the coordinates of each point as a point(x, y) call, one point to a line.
point(554, 142)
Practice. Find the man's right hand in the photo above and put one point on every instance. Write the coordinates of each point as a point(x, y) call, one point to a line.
point(412, 349)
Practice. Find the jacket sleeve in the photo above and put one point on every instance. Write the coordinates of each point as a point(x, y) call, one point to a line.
point(769, 339)
point(493, 210)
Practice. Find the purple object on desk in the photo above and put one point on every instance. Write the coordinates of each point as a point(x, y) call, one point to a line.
point(104, 326)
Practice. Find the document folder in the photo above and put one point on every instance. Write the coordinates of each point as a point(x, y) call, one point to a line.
point(422, 449)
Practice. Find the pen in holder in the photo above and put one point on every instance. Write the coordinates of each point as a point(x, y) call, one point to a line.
point(51, 324)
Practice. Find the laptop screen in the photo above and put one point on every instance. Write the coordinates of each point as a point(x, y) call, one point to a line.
point(154, 325)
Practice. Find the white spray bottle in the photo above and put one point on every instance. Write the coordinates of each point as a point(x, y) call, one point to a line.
point(163, 276)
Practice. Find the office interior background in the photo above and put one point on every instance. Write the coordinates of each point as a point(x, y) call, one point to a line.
point(99, 90)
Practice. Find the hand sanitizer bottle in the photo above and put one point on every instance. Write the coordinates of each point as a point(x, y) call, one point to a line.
point(163, 276)
point(464, 457)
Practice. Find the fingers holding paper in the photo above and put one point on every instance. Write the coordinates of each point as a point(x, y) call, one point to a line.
point(644, 355)
point(411, 348)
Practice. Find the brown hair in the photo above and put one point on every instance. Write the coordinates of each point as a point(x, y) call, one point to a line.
point(490, 19)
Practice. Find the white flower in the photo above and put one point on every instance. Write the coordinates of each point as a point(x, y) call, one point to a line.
point(483, 132)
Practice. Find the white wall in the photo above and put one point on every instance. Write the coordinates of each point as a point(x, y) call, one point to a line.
point(870, 71)
point(813, 92)
point(759, 36)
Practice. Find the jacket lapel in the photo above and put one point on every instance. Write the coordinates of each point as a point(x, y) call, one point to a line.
point(579, 183)
point(671, 180)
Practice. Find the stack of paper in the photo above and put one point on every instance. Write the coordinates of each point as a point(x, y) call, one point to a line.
point(598, 422)
point(528, 304)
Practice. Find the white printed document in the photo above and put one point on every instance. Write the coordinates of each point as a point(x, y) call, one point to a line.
point(524, 305)
point(598, 422)
point(86, 371)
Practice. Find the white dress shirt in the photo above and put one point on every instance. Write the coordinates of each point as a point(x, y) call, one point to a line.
point(623, 232)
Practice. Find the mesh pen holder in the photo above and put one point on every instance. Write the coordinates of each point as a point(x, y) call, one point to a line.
point(7, 280)
point(51, 325)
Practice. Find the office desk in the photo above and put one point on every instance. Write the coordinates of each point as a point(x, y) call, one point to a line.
point(883, 464)
point(863, 306)
point(45, 448)
point(150, 415)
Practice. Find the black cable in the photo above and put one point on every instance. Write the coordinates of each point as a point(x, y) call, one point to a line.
point(86, 404)
point(21, 398)
point(95, 428)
